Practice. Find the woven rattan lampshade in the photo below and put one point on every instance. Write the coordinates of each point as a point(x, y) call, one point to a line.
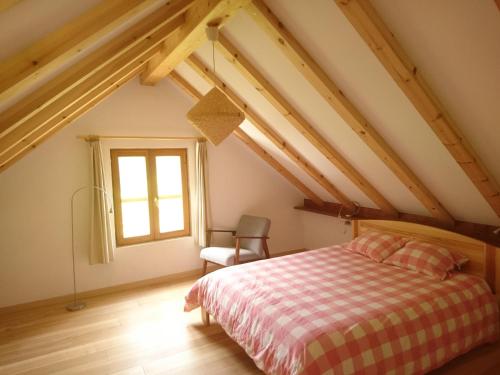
point(215, 116)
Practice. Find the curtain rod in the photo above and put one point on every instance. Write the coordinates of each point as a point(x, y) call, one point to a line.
point(90, 138)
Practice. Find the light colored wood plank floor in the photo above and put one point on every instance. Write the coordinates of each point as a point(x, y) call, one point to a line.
point(143, 331)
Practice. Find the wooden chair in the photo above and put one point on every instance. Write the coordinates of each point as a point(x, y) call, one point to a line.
point(250, 243)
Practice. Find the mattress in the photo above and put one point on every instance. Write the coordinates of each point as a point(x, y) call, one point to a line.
point(330, 311)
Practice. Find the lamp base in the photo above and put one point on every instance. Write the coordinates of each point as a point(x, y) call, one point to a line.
point(75, 306)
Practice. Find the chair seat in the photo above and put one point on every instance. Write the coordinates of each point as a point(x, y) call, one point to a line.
point(225, 255)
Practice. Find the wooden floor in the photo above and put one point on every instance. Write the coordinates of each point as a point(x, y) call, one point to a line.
point(143, 331)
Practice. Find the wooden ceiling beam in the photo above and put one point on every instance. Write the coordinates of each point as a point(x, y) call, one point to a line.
point(268, 131)
point(75, 74)
point(85, 91)
point(192, 35)
point(80, 108)
point(384, 45)
point(20, 70)
point(185, 85)
point(263, 86)
point(327, 88)
point(254, 146)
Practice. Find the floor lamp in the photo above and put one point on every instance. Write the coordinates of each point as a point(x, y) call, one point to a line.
point(78, 305)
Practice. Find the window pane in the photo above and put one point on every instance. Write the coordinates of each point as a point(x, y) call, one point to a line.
point(170, 205)
point(133, 177)
point(168, 173)
point(135, 217)
point(171, 215)
point(134, 196)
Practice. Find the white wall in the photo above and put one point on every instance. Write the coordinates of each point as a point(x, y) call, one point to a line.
point(35, 220)
point(320, 230)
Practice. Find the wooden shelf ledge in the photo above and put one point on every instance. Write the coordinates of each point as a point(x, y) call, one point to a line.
point(481, 232)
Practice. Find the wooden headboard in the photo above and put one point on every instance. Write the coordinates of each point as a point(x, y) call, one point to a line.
point(483, 260)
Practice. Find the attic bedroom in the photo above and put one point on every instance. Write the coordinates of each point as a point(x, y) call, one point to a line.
point(249, 186)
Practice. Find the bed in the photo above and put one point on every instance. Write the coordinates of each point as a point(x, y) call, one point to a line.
point(330, 311)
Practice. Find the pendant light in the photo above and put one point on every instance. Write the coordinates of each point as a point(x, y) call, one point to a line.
point(215, 116)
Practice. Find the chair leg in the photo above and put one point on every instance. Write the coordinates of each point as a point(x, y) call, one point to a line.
point(205, 264)
point(266, 249)
point(209, 238)
point(237, 252)
point(205, 317)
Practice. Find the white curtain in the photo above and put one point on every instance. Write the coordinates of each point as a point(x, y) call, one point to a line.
point(200, 194)
point(101, 239)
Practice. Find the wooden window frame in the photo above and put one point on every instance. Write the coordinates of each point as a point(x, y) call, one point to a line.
point(150, 157)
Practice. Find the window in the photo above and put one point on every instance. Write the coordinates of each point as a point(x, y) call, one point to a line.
point(150, 192)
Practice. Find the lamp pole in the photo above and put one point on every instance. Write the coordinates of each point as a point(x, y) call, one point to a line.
point(78, 305)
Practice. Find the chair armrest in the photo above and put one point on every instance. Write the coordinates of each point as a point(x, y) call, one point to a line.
point(251, 237)
point(222, 230)
point(239, 237)
point(210, 231)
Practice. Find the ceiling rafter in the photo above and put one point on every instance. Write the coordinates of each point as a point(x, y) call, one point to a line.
point(183, 43)
point(263, 86)
point(185, 85)
point(81, 70)
point(254, 146)
point(23, 68)
point(390, 53)
point(117, 67)
point(268, 131)
point(95, 94)
point(42, 134)
point(327, 88)
point(85, 90)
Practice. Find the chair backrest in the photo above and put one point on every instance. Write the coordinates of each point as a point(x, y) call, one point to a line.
point(253, 226)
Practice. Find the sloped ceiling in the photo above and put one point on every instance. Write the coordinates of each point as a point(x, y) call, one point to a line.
point(453, 42)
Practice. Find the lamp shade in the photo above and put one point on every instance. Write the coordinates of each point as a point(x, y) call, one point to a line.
point(215, 116)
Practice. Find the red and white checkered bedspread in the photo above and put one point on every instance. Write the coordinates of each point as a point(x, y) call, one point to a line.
point(336, 312)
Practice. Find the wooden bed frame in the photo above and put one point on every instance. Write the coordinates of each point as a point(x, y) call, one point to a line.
point(484, 261)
